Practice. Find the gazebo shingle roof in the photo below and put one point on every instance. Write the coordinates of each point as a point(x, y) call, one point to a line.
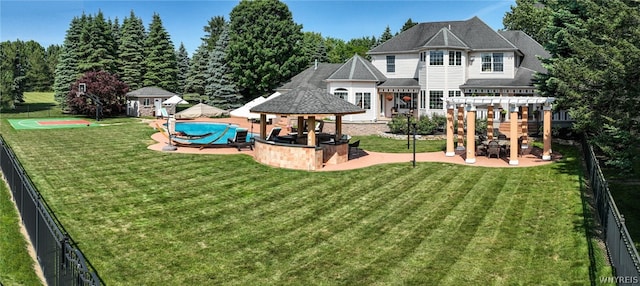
point(307, 100)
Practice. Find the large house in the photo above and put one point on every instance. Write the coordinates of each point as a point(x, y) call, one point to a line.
point(432, 63)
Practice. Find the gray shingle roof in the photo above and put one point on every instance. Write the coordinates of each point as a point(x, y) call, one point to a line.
point(529, 47)
point(445, 39)
point(313, 76)
point(400, 82)
point(357, 69)
point(307, 100)
point(523, 78)
point(475, 33)
point(150, 91)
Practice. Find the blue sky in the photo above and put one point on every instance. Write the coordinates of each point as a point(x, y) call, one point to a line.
point(47, 21)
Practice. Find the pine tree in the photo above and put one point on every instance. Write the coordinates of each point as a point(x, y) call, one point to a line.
point(161, 66)
point(67, 70)
point(313, 48)
point(51, 57)
point(220, 89)
point(407, 25)
point(131, 49)
point(386, 35)
point(196, 77)
point(264, 46)
point(213, 29)
point(183, 67)
point(12, 74)
point(38, 75)
point(97, 49)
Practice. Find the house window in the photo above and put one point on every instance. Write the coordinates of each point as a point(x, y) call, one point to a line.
point(146, 102)
point(423, 57)
point(454, 93)
point(492, 62)
point(423, 98)
point(363, 100)
point(342, 93)
point(436, 58)
point(391, 63)
point(455, 58)
point(435, 99)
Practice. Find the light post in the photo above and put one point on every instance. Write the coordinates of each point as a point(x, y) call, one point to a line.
point(414, 143)
point(409, 115)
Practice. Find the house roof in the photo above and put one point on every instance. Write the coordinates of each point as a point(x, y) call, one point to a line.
point(314, 76)
point(473, 33)
point(529, 47)
point(150, 91)
point(523, 79)
point(307, 100)
point(445, 39)
point(400, 82)
point(357, 69)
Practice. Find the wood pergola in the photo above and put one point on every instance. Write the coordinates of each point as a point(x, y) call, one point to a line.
point(513, 104)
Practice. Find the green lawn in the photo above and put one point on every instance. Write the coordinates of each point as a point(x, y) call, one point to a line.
point(145, 217)
point(16, 267)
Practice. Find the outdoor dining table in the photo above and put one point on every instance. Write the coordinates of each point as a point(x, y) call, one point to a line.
point(502, 143)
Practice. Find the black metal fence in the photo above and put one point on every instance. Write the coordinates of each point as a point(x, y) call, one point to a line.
point(620, 248)
point(60, 261)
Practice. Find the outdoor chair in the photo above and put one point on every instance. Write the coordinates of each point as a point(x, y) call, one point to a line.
point(274, 133)
point(355, 145)
point(240, 140)
point(493, 148)
point(502, 137)
point(480, 148)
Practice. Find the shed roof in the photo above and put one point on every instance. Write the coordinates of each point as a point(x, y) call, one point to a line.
point(150, 91)
point(307, 100)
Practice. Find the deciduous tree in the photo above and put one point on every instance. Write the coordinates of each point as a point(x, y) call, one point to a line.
point(107, 87)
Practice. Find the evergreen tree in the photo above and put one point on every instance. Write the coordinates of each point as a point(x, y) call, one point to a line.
point(264, 47)
point(386, 35)
point(313, 48)
point(593, 72)
point(97, 46)
point(196, 77)
point(161, 66)
point(38, 75)
point(12, 74)
point(131, 50)
point(407, 25)
point(531, 17)
point(220, 89)
point(183, 67)
point(213, 29)
point(67, 70)
point(51, 57)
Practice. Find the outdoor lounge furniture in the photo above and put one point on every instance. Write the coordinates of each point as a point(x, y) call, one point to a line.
point(240, 140)
point(273, 134)
point(493, 148)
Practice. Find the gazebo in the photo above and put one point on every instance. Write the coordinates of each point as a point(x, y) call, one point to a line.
point(308, 103)
point(514, 105)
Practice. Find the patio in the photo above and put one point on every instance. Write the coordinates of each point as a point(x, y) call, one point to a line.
point(364, 158)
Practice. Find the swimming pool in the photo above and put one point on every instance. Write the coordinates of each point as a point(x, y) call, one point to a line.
point(220, 132)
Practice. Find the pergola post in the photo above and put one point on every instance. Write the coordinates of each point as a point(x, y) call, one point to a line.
point(525, 128)
point(471, 134)
point(450, 151)
point(546, 152)
point(513, 133)
point(460, 128)
point(311, 133)
point(490, 116)
point(263, 126)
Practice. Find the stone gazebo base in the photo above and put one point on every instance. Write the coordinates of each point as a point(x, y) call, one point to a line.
point(299, 157)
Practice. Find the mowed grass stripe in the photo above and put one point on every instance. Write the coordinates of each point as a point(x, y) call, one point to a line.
point(145, 217)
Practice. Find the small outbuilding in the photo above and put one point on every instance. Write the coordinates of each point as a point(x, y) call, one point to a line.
point(147, 101)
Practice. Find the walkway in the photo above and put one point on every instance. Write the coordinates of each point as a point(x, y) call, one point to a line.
point(362, 159)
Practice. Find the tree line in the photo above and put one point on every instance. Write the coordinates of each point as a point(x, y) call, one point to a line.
point(256, 50)
point(593, 70)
